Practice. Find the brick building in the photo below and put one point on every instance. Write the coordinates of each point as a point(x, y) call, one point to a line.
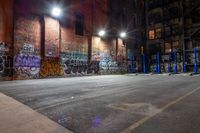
point(172, 25)
point(36, 45)
point(130, 16)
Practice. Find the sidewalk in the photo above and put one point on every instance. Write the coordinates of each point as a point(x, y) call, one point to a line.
point(18, 118)
point(164, 74)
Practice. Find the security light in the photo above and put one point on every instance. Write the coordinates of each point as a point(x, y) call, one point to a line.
point(102, 33)
point(123, 34)
point(56, 12)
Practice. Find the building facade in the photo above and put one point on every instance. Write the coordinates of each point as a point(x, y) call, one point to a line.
point(172, 25)
point(36, 45)
point(130, 16)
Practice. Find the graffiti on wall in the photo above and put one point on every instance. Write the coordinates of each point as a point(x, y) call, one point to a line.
point(27, 62)
point(51, 67)
point(76, 64)
point(5, 61)
point(109, 63)
point(52, 51)
point(51, 37)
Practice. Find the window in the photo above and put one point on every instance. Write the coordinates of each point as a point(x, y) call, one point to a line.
point(158, 33)
point(175, 29)
point(168, 47)
point(175, 45)
point(79, 24)
point(168, 31)
point(151, 35)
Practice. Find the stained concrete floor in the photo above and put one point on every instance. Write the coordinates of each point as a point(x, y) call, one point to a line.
point(114, 103)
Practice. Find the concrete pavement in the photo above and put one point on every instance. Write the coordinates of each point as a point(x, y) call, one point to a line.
point(114, 103)
point(18, 118)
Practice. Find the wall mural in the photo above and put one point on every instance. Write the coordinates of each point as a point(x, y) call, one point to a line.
point(27, 62)
point(5, 61)
point(110, 63)
point(76, 64)
point(51, 67)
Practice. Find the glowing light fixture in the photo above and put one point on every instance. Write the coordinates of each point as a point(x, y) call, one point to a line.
point(56, 12)
point(123, 34)
point(102, 33)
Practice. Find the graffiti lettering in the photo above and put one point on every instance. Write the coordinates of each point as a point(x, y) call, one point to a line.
point(111, 64)
point(27, 61)
point(51, 68)
point(5, 61)
point(27, 49)
point(74, 63)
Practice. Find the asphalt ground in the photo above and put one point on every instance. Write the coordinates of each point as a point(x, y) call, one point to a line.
point(114, 103)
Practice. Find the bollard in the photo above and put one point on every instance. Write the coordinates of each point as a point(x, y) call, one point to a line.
point(169, 63)
point(195, 61)
point(184, 63)
point(144, 63)
point(185, 68)
point(175, 62)
point(132, 69)
point(158, 63)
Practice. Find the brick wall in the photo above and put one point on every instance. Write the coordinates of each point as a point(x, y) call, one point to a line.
point(6, 15)
point(27, 43)
point(48, 47)
point(52, 37)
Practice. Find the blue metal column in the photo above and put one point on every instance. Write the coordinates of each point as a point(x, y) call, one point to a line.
point(131, 57)
point(169, 63)
point(158, 63)
point(195, 61)
point(184, 65)
point(175, 62)
point(144, 63)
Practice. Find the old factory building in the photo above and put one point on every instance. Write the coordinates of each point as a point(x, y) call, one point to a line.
point(35, 44)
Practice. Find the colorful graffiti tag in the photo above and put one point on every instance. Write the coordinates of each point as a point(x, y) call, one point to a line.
point(28, 65)
point(109, 63)
point(76, 64)
point(27, 62)
point(51, 68)
point(5, 61)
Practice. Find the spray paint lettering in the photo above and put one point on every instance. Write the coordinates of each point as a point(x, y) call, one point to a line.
point(5, 61)
point(27, 63)
point(74, 63)
point(111, 64)
point(51, 68)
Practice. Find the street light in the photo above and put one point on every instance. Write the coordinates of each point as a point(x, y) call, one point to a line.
point(123, 34)
point(102, 33)
point(56, 12)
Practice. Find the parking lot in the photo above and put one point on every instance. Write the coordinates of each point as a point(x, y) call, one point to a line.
point(114, 103)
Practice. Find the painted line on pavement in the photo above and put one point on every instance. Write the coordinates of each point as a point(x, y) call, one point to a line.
point(142, 121)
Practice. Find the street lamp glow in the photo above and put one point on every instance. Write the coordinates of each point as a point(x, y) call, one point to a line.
point(102, 33)
point(123, 34)
point(56, 12)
